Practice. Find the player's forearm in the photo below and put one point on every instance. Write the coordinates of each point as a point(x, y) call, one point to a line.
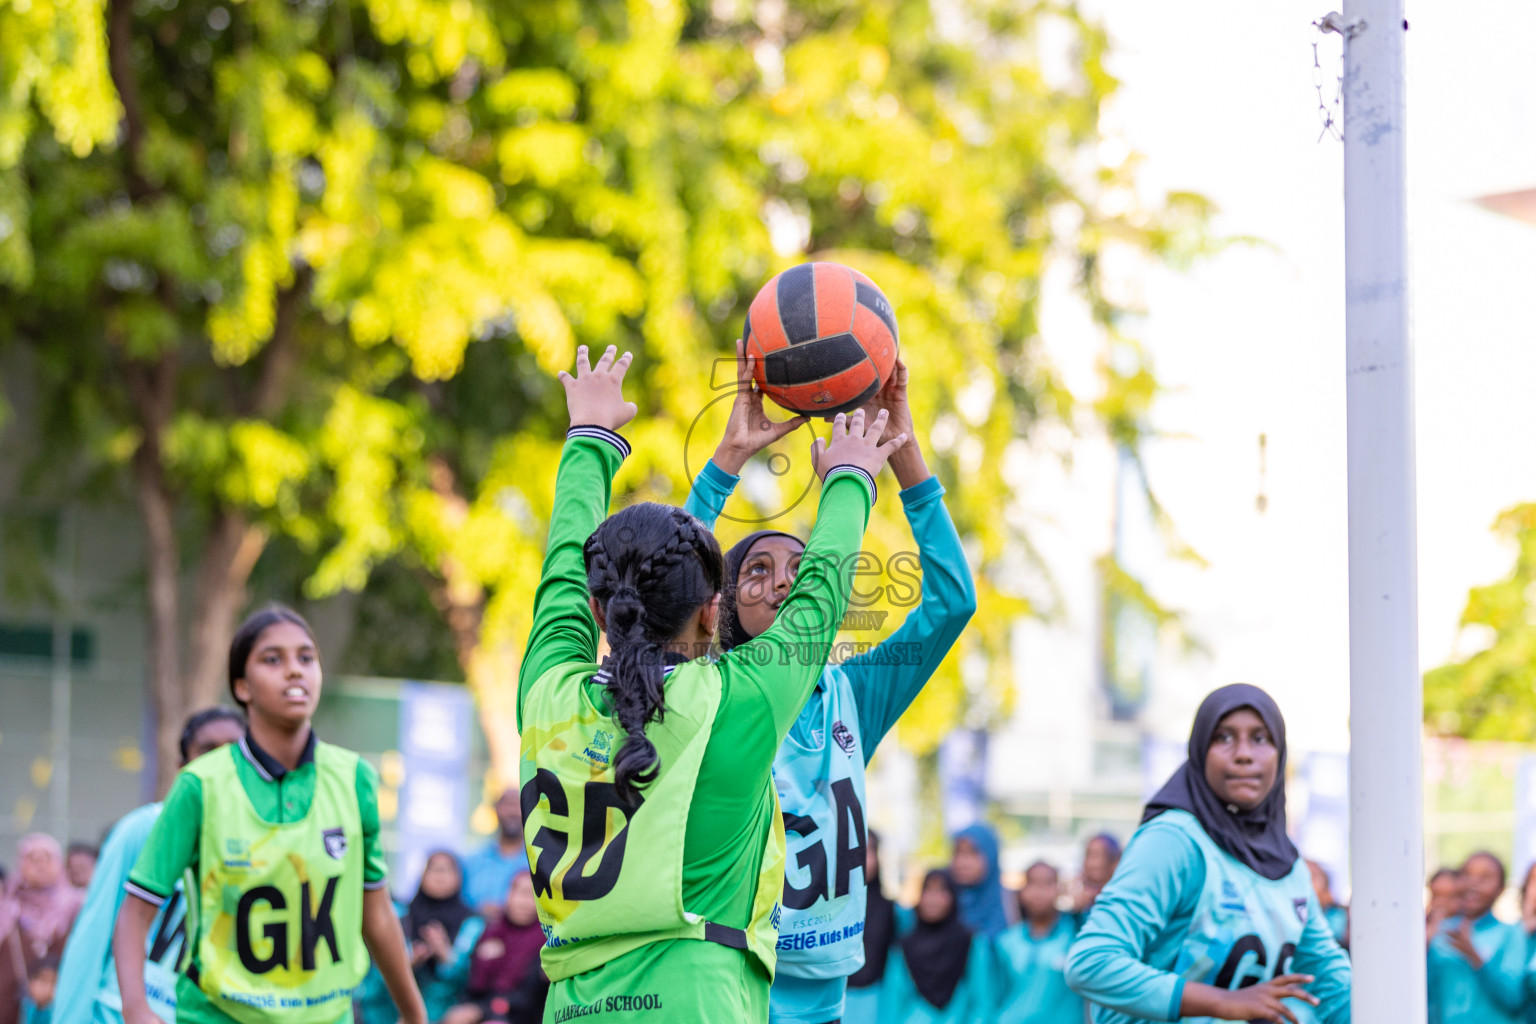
point(386, 944)
point(128, 940)
point(909, 465)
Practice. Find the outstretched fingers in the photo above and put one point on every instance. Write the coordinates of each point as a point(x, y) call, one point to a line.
point(583, 364)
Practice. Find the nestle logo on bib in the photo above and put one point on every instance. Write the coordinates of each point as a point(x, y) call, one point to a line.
point(843, 737)
point(335, 842)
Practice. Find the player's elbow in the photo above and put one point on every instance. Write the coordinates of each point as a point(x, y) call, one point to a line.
point(1081, 964)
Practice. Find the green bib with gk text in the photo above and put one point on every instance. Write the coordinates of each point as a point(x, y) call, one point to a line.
point(609, 875)
point(279, 907)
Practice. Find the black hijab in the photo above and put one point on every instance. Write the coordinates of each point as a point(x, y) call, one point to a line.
point(936, 953)
point(879, 926)
point(1256, 837)
point(451, 912)
point(731, 632)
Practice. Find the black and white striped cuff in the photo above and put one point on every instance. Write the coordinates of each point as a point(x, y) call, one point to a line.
point(602, 434)
point(155, 899)
point(869, 478)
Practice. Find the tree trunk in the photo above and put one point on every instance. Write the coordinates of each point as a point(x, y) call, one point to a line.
point(151, 388)
point(229, 554)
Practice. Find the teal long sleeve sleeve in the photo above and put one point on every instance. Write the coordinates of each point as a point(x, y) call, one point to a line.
point(88, 970)
point(1493, 994)
point(1136, 922)
point(888, 677)
point(1320, 955)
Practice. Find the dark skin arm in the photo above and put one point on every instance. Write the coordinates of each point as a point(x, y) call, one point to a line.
point(1257, 1002)
point(386, 944)
point(128, 938)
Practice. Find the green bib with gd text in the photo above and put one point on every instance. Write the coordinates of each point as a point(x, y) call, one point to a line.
point(609, 875)
point(279, 907)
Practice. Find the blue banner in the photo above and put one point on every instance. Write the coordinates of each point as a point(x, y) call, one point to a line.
point(1324, 831)
point(435, 727)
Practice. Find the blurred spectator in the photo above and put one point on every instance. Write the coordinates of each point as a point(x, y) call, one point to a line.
point(36, 912)
point(87, 985)
point(488, 872)
point(939, 971)
point(41, 984)
point(1528, 911)
point(1100, 858)
point(79, 864)
point(1476, 963)
point(1336, 916)
point(1032, 956)
point(978, 879)
point(506, 983)
point(1444, 897)
point(441, 930)
point(863, 1000)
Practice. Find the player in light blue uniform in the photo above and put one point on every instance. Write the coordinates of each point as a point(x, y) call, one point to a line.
point(1475, 962)
point(1031, 956)
point(87, 991)
point(1211, 914)
point(819, 771)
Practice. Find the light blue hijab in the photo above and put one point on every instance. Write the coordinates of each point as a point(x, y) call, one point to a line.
point(981, 905)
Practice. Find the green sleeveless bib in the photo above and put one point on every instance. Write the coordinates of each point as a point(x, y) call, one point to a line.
point(609, 877)
point(279, 907)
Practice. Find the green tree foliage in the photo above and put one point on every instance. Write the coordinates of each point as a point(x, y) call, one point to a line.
point(321, 283)
point(1492, 694)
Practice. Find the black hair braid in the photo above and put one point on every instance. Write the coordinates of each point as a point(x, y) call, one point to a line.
point(650, 567)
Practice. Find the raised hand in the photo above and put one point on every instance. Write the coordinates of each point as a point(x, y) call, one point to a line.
point(595, 396)
point(908, 464)
point(855, 444)
point(749, 430)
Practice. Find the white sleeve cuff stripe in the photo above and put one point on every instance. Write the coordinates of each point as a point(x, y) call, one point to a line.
point(372, 886)
point(868, 478)
point(143, 894)
point(601, 434)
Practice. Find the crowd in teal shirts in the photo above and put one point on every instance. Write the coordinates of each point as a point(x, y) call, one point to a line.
point(1481, 970)
point(971, 950)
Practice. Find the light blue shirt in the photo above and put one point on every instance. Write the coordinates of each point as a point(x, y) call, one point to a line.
point(488, 874)
point(1032, 975)
point(1493, 995)
point(87, 989)
point(880, 684)
point(1180, 909)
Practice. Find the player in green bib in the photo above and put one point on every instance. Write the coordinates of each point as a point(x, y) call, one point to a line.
point(276, 839)
point(653, 830)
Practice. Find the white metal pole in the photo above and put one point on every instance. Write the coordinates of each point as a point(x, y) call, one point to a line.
point(1386, 699)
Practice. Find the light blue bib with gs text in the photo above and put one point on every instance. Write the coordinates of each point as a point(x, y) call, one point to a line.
point(819, 775)
point(1246, 928)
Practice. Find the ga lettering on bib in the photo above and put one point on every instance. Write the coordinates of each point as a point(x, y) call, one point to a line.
point(820, 783)
point(279, 907)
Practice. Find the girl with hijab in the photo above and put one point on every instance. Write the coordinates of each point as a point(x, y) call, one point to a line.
point(977, 873)
point(1032, 956)
point(440, 933)
point(939, 971)
point(37, 909)
point(1211, 914)
point(1476, 963)
point(441, 930)
point(863, 1002)
point(819, 771)
point(506, 983)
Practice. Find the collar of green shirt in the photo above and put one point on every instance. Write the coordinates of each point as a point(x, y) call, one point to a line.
point(269, 767)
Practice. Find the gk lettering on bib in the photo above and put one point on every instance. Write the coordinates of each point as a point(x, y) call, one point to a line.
point(279, 906)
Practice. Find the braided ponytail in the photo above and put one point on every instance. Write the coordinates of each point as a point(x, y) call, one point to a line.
point(649, 567)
